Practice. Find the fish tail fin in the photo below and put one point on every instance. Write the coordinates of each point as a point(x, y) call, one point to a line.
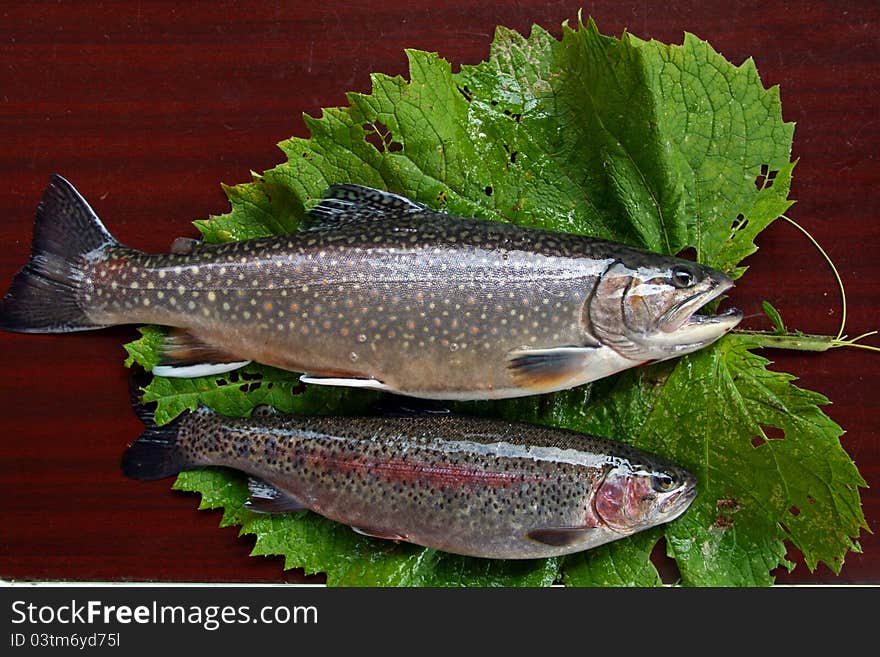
point(44, 295)
point(156, 453)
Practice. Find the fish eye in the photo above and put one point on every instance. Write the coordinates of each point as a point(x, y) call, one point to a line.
point(683, 276)
point(662, 483)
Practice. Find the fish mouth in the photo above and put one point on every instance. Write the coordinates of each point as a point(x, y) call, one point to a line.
point(693, 329)
point(678, 502)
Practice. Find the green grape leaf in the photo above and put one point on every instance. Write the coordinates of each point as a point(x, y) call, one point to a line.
point(621, 563)
point(145, 350)
point(666, 147)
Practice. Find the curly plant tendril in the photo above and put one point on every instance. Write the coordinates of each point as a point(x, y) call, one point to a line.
point(799, 341)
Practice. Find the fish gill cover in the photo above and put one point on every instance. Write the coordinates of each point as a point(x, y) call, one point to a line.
point(654, 145)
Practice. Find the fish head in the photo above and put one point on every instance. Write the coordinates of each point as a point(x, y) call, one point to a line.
point(633, 497)
point(645, 307)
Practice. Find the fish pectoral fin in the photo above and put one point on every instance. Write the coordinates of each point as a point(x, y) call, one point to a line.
point(184, 356)
point(318, 380)
point(559, 536)
point(544, 368)
point(375, 533)
point(266, 498)
point(347, 203)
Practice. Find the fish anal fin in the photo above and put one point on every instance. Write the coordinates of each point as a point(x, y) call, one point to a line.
point(266, 498)
point(545, 368)
point(559, 536)
point(183, 355)
point(376, 533)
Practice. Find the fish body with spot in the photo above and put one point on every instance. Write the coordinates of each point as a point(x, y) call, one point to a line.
point(382, 293)
point(469, 486)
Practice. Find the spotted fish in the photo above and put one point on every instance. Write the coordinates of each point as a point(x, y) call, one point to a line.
point(382, 292)
point(478, 487)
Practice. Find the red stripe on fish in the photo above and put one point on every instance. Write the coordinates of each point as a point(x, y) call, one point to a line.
point(419, 472)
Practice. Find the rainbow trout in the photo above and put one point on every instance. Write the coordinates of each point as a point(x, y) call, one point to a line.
point(478, 487)
point(382, 293)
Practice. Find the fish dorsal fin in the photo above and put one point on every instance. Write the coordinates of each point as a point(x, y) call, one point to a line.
point(266, 498)
point(344, 203)
point(184, 245)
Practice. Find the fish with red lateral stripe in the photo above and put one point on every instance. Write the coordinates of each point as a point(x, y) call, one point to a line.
point(465, 485)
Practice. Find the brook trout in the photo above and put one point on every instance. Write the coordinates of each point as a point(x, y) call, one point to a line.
point(382, 293)
point(478, 487)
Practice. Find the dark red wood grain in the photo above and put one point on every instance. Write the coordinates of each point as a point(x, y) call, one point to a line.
point(147, 107)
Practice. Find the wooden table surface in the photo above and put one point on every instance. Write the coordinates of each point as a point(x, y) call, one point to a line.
point(147, 107)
